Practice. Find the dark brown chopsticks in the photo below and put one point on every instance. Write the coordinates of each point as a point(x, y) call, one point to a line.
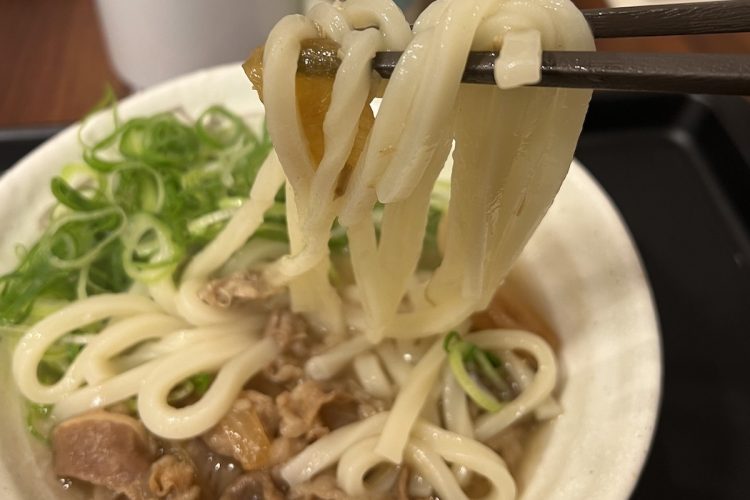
point(683, 73)
point(696, 18)
point(727, 74)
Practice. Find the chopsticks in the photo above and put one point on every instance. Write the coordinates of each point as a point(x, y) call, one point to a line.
point(696, 18)
point(683, 73)
point(727, 74)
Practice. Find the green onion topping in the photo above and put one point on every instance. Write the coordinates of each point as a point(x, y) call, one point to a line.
point(460, 354)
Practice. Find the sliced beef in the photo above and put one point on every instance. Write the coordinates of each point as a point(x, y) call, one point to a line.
point(215, 472)
point(105, 449)
point(266, 410)
point(256, 485)
point(242, 435)
point(321, 487)
point(285, 374)
point(248, 286)
point(341, 410)
point(174, 477)
point(296, 343)
point(299, 410)
point(349, 389)
point(289, 331)
point(282, 449)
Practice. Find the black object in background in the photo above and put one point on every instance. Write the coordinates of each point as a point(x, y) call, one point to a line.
point(678, 168)
point(15, 143)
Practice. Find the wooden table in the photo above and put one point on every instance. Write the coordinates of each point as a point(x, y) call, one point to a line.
point(53, 65)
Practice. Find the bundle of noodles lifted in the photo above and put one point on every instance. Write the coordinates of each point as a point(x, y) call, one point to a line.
point(342, 355)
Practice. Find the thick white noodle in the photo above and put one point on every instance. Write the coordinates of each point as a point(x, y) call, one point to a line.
point(327, 450)
point(236, 369)
point(96, 358)
point(409, 403)
point(279, 73)
point(398, 368)
point(253, 255)
point(427, 451)
point(41, 336)
point(164, 293)
point(311, 292)
point(456, 417)
point(327, 364)
point(371, 376)
point(433, 469)
point(518, 62)
point(192, 308)
point(523, 375)
point(503, 183)
point(490, 424)
point(177, 340)
point(353, 466)
point(111, 391)
point(470, 453)
point(243, 223)
point(331, 20)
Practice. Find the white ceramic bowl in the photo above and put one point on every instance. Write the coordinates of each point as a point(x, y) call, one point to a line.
point(581, 269)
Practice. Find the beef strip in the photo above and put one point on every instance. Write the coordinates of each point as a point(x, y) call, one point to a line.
point(215, 471)
point(348, 388)
point(266, 410)
point(105, 449)
point(290, 333)
point(299, 410)
point(244, 287)
point(241, 433)
point(173, 477)
point(256, 485)
point(295, 341)
point(321, 487)
point(282, 449)
point(286, 374)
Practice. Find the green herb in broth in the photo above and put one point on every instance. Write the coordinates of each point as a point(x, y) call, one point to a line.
point(144, 199)
point(124, 214)
point(468, 362)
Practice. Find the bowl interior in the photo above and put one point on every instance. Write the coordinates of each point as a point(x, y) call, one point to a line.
point(581, 270)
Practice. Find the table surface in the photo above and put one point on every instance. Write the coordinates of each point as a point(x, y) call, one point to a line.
point(55, 67)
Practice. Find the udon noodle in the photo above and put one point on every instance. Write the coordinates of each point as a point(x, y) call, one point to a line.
point(512, 146)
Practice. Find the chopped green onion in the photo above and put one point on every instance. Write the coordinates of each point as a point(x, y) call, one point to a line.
point(74, 199)
point(70, 244)
point(221, 128)
point(459, 353)
point(202, 382)
point(193, 387)
point(201, 224)
point(160, 141)
point(149, 252)
point(36, 417)
point(489, 369)
point(136, 187)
